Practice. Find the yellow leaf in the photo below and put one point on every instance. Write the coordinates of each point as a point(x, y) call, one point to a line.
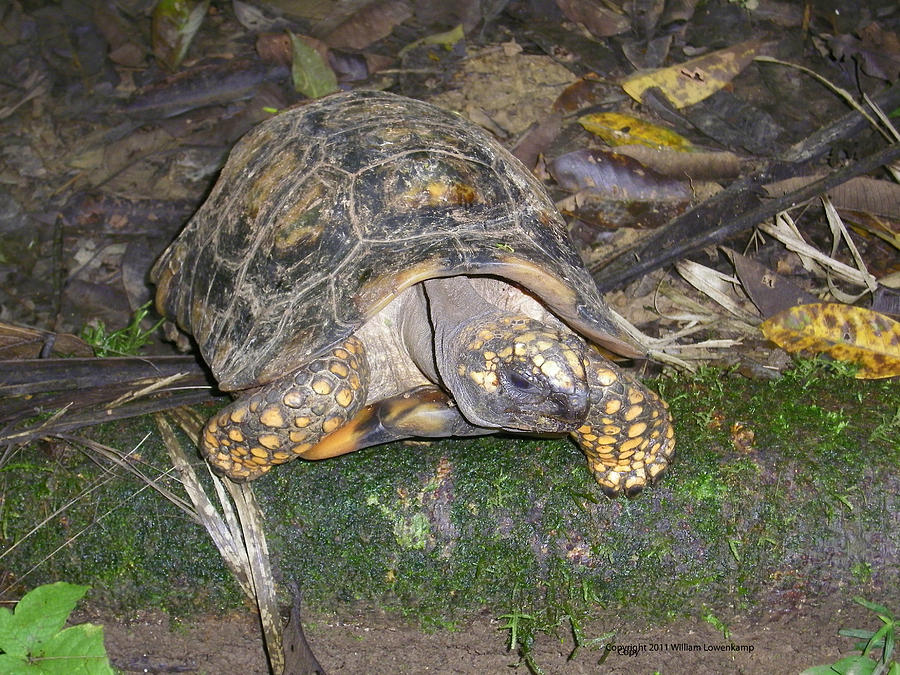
point(692, 81)
point(618, 129)
point(844, 332)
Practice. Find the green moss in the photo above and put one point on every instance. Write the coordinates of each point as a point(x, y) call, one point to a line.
point(778, 485)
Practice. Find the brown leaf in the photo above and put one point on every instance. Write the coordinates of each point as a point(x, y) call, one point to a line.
point(369, 24)
point(769, 291)
point(844, 332)
point(599, 20)
point(22, 342)
point(614, 175)
point(869, 195)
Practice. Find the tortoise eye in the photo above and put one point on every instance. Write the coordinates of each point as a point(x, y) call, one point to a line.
point(519, 382)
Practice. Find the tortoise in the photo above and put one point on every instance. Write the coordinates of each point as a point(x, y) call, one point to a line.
point(370, 267)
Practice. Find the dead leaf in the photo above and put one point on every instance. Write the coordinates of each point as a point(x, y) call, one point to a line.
point(369, 24)
point(620, 129)
point(692, 81)
point(844, 332)
point(599, 20)
point(23, 342)
point(615, 176)
point(870, 195)
point(769, 291)
point(694, 165)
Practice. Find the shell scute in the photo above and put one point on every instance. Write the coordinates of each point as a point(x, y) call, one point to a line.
point(323, 213)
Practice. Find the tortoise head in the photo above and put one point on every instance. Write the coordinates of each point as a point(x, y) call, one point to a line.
point(515, 373)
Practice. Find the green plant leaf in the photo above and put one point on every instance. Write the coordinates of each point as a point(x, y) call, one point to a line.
point(312, 76)
point(38, 615)
point(77, 650)
point(12, 665)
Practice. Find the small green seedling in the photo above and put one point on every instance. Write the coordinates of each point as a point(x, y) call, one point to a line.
point(123, 342)
point(33, 640)
point(863, 663)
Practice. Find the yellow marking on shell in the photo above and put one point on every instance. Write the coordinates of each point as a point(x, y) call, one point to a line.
point(297, 436)
point(302, 422)
point(655, 469)
point(342, 354)
point(520, 349)
point(636, 429)
point(612, 406)
point(538, 360)
point(489, 355)
point(606, 377)
point(331, 424)
point(239, 451)
point(257, 451)
point(339, 368)
point(484, 335)
point(321, 386)
point(613, 429)
point(211, 440)
point(237, 416)
point(254, 406)
point(353, 381)
point(236, 435)
point(628, 445)
point(212, 425)
point(344, 397)
point(293, 399)
point(634, 396)
point(272, 416)
point(300, 449)
point(585, 429)
point(505, 353)
point(261, 461)
point(633, 412)
point(606, 440)
point(281, 456)
point(475, 345)
point(270, 441)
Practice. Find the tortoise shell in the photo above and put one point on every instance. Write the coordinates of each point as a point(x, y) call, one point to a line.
point(325, 213)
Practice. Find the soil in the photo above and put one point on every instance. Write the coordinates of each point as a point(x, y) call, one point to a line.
point(776, 640)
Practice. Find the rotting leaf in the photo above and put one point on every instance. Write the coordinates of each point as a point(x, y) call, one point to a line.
point(599, 20)
point(311, 74)
point(175, 22)
point(613, 191)
point(620, 129)
point(692, 81)
point(769, 291)
point(369, 24)
point(844, 332)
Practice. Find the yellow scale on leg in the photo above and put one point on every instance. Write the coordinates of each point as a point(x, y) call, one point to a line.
point(285, 419)
point(628, 437)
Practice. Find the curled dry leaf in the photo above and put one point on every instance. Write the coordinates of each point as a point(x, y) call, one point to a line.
point(612, 190)
point(844, 332)
point(692, 81)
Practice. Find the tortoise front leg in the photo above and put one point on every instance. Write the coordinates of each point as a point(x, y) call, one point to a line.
point(286, 418)
point(628, 436)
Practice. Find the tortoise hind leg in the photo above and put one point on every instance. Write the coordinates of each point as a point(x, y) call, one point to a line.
point(628, 436)
point(286, 418)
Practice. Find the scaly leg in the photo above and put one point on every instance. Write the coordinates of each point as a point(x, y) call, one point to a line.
point(284, 419)
point(628, 436)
